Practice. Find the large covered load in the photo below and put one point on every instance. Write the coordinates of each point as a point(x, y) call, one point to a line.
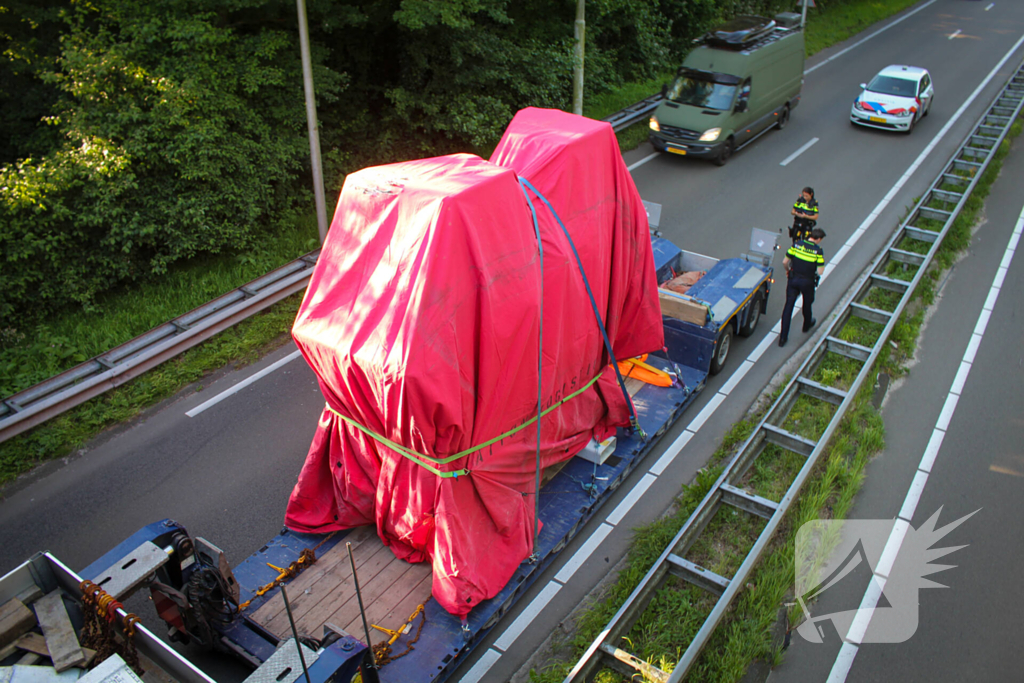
point(422, 323)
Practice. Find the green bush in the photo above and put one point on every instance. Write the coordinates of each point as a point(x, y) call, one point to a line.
point(182, 132)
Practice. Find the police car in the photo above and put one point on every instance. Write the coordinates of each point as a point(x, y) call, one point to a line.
point(896, 99)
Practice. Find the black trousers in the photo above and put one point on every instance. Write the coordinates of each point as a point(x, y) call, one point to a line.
point(797, 286)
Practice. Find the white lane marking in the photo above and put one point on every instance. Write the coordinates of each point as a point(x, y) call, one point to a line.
point(482, 666)
point(867, 38)
point(765, 344)
point(708, 411)
point(982, 322)
point(740, 373)
point(642, 161)
point(948, 408)
point(1006, 258)
point(530, 613)
point(844, 661)
point(859, 626)
point(954, 34)
point(931, 450)
point(892, 548)
point(926, 152)
point(993, 294)
point(243, 384)
point(794, 155)
point(631, 498)
point(584, 553)
point(671, 452)
point(1000, 276)
point(961, 377)
point(972, 348)
point(839, 255)
point(913, 496)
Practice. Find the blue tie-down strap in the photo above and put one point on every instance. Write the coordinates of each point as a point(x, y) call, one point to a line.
point(633, 421)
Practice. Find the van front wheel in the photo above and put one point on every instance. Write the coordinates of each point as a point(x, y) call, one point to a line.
point(784, 117)
point(725, 153)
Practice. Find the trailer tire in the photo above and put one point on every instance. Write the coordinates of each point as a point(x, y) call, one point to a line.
point(754, 317)
point(722, 347)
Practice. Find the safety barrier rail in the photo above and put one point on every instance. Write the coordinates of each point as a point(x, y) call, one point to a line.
point(634, 113)
point(889, 272)
point(60, 393)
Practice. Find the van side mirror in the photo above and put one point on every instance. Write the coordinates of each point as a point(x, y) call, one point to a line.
point(741, 106)
point(863, 86)
point(664, 90)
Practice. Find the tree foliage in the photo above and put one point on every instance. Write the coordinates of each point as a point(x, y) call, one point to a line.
point(136, 134)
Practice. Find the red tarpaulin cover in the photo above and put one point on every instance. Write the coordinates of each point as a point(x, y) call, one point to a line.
point(421, 323)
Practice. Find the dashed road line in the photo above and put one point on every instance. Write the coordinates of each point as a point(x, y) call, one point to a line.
point(243, 384)
point(807, 145)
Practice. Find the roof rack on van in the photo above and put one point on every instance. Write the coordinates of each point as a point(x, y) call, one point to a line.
point(740, 32)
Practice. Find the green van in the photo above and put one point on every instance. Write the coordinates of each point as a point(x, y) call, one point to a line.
point(744, 79)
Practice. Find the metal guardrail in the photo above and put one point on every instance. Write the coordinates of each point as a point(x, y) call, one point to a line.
point(634, 113)
point(50, 398)
point(962, 172)
point(38, 403)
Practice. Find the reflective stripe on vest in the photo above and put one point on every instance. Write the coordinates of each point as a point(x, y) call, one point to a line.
point(800, 251)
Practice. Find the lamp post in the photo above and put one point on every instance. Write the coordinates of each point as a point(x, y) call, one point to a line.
point(580, 32)
point(314, 134)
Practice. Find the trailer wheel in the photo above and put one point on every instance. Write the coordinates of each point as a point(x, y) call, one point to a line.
point(722, 347)
point(755, 315)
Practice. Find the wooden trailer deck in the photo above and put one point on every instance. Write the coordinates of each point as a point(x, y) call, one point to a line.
point(325, 593)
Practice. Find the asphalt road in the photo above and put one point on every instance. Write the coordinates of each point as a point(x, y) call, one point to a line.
point(226, 473)
point(970, 631)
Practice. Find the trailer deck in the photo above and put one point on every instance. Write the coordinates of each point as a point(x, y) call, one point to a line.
point(392, 589)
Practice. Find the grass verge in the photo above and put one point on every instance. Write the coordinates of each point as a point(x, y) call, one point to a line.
point(674, 616)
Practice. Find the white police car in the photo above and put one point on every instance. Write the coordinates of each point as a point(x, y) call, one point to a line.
point(895, 99)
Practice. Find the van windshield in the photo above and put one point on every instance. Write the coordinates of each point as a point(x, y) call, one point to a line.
point(688, 88)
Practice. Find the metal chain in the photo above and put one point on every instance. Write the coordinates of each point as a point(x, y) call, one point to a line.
point(100, 611)
point(382, 651)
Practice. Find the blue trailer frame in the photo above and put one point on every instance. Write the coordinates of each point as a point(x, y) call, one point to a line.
point(569, 500)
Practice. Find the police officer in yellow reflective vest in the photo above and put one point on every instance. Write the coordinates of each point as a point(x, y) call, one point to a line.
point(804, 263)
point(805, 215)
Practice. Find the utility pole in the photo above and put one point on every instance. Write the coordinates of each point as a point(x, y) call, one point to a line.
point(580, 33)
point(314, 134)
point(803, 16)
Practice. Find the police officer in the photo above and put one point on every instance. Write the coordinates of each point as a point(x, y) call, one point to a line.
point(804, 263)
point(805, 215)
